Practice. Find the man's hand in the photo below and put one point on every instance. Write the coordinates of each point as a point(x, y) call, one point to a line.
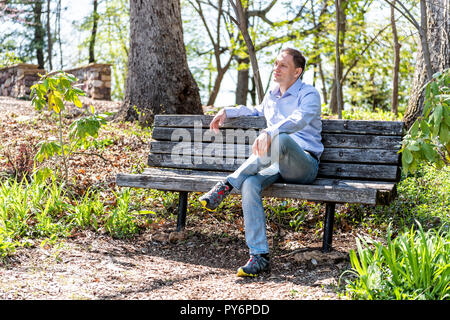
point(261, 144)
point(218, 121)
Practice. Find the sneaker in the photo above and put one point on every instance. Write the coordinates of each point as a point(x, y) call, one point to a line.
point(215, 196)
point(254, 267)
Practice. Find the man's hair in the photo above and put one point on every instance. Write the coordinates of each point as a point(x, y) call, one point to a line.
point(299, 59)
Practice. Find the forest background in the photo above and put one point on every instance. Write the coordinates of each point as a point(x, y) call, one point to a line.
point(367, 52)
point(380, 54)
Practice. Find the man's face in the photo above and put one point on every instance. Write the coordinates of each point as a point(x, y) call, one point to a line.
point(284, 70)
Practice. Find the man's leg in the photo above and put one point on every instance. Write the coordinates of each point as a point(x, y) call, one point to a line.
point(294, 165)
point(285, 156)
point(255, 221)
point(252, 207)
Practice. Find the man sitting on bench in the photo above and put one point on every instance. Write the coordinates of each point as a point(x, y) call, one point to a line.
point(289, 148)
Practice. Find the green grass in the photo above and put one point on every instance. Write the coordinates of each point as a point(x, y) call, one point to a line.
point(45, 211)
point(415, 265)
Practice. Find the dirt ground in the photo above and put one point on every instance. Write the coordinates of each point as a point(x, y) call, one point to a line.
point(158, 264)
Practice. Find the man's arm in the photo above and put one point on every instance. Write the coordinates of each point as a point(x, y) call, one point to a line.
point(234, 112)
point(308, 110)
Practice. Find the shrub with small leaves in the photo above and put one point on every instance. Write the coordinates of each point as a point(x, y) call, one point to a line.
point(51, 92)
point(428, 139)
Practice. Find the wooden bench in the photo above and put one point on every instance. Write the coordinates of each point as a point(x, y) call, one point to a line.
point(360, 163)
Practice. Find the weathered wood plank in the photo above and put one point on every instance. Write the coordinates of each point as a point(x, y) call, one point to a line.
point(328, 125)
point(359, 171)
point(198, 134)
point(316, 192)
point(244, 151)
point(361, 141)
point(249, 136)
point(183, 121)
point(201, 174)
point(346, 170)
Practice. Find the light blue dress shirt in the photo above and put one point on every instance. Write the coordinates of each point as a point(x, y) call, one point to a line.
point(297, 112)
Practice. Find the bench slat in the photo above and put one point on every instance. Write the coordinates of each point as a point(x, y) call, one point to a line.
point(328, 125)
point(201, 174)
point(347, 170)
point(321, 190)
point(243, 151)
point(248, 137)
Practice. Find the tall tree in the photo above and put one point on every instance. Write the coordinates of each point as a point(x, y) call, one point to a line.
point(241, 21)
point(438, 43)
point(341, 27)
point(394, 104)
point(93, 31)
point(49, 38)
point(218, 49)
point(39, 33)
point(158, 78)
point(338, 65)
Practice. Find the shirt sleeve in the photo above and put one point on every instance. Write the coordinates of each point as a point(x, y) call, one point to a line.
point(245, 111)
point(309, 108)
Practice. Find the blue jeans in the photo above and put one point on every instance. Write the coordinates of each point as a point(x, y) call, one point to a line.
point(286, 160)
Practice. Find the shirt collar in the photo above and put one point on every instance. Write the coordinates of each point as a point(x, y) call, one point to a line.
point(292, 90)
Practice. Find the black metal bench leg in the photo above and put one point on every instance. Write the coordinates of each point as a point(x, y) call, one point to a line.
point(182, 208)
point(328, 227)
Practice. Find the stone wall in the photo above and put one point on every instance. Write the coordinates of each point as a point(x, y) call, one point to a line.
point(95, 79)
point(16, 80)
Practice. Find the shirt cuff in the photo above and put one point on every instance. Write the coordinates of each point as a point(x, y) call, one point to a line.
point(231, 112)
point(272, 132)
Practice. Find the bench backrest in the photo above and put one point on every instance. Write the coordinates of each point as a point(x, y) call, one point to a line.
point(354, 149)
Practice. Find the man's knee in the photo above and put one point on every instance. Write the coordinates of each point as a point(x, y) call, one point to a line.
point(282, 141)
point(251, 184)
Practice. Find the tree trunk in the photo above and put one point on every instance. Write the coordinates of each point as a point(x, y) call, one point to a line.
point(39, 33)
point(341, 28)
point(158, 78)
point(338, 73)
point(438, 24)
point(242, 23)
point(58, 33)
point(242, 82)
point(93, 32)
point(394, 106)
point(49, 38)
point(217, 82)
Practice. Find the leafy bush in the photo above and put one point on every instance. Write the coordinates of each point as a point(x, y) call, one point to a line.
point(414, 265)
point(428, 139)
point(363, 114)
point(51, 91)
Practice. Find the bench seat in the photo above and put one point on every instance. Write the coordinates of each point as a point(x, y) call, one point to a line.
point(322, 189)
point(360, 163)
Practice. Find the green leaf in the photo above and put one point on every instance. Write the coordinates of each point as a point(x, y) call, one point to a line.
point(47, 150)
point(429, 152)
point(414, 146)
point(414, 128)
point(407, 156)
point(437, 115)
point(444, 135)
point(446, 113)
point(77, 101)
point(434, 88)
point(425, 127)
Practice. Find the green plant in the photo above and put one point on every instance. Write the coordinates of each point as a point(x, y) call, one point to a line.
point(121, 223)
point(51, 91)
point(414, 265)
point(428, 139)
point(30, 210)
point(88, 211)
